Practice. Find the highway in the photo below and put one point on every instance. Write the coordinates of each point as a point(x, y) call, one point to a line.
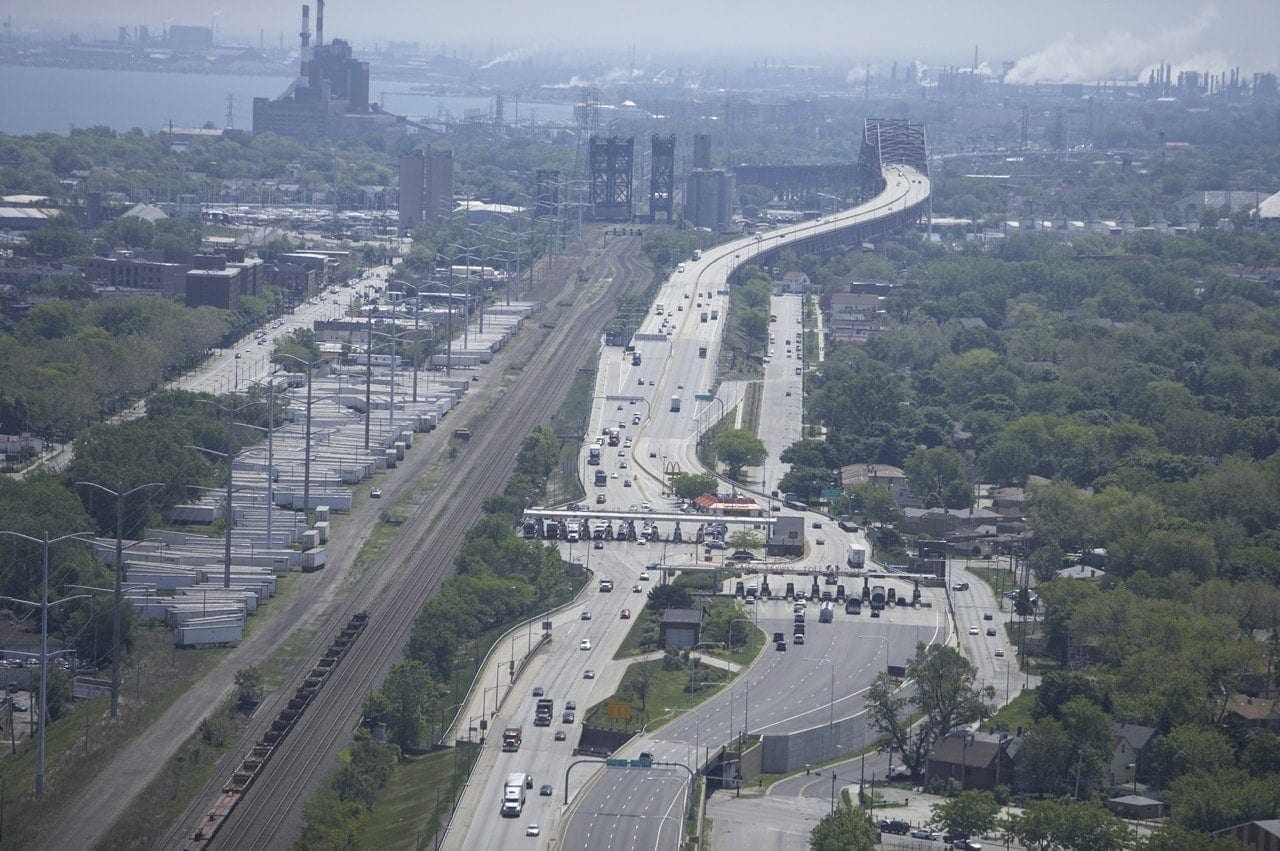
point(678, 346)
point(787, 694)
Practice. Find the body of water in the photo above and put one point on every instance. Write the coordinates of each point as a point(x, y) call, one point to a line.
point(55, 100)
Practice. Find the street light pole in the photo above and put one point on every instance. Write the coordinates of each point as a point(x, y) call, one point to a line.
point(120, 493)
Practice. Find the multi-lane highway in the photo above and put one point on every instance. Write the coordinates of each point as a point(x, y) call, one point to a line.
point(655, 406)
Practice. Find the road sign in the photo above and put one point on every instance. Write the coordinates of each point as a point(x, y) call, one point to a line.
point(831, 494)
point(618, 710)
point(615, 763)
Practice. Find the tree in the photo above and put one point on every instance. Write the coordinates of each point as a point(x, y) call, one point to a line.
point(937, 476)
point(691, 486)
point(744, 539)
point(669, 597)
point(846, 829)
point(408, 690)
point(248, 685)
point(754, 325)
point(971, 813)
point(876, 503)
point(1059, 825)
point(944, 695)
point(737, 448)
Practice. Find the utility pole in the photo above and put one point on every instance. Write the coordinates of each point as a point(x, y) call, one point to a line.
point(119, 493)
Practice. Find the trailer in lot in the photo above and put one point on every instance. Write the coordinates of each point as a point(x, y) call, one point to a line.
point(197, 633)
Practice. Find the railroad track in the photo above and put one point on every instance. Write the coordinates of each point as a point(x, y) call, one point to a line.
point(418, 560)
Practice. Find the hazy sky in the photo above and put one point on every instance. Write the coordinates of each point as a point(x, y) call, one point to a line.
point(1066, 39)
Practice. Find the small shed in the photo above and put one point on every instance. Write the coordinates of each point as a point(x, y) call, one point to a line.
point(680, 628)
point(1138, 807)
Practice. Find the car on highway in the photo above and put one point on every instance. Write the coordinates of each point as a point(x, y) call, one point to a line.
point(788, 392)
point(644, 576)
point(533, 830)
point(986, 616)
point(650, 382)
point(586, 616)
point(539, 691)
point(589, 674)
point(820, 541)
point(636, 589)
point(973, 630)
point(991, 630)
point(545, 791)
point(999, 652)
point(625, 615)
point(560, 736)
point(567, 717)
point(376, 493)
point(627, 483)
point(614, 474)
point(584, 644)
point(622, 465)
point(571, 704)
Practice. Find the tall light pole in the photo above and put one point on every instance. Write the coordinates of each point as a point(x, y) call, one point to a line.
point(44, 605)
point(120, 493)
point(831, 707)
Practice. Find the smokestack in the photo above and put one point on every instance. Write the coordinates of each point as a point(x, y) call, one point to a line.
point(319, 23)
point(305, 37)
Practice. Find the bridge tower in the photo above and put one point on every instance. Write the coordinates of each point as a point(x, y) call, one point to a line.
point(662, 176)
point(610, 161)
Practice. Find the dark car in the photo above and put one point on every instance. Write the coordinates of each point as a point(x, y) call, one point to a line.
point(897, 826)
point(742, 555)
point(545, 790)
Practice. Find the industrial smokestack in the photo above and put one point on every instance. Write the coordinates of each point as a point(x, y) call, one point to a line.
point(319, 23)
point(305, 38)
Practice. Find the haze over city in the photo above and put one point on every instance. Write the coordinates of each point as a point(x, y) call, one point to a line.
point(1050, 42)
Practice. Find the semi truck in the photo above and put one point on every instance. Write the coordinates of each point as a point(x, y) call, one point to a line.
point(877, 597)
point(543, 711)
point(675, 403)
point(615, 436)
point(857, 557)
point(593, 456)
point(602, 478)
point(513, 793)
point(702, 351)
point(511, 739)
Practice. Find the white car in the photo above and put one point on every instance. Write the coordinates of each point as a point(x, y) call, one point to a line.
point(644, 576)
point(973, 630)
point(533, 830)
point(584, 644)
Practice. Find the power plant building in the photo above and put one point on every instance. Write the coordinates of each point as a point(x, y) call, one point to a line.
point(329, 98)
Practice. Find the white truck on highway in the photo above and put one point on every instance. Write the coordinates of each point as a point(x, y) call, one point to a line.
point(513, 793)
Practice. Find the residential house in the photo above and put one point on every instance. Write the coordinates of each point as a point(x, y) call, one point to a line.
point(1254, 713)
point(885, 475)
point(1261, 835)
point(976, 760)
point(855, 317)
point(1129, 752)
